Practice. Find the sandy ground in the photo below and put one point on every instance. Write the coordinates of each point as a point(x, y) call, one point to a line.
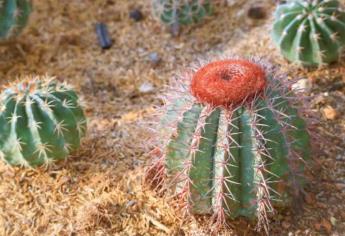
point(98, 190)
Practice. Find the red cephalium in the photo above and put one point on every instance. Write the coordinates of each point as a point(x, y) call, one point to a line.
point(226, 82)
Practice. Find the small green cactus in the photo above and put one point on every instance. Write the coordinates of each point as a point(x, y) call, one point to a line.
point(14, 15)
point(237, 142)
point(310, 32)
point(41, 121)
point(181, 12)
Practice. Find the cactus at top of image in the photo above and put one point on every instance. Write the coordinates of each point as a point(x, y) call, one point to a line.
point(310, 32)
point(233, 142)
point(14, 15)
point(181, 12)
point(41, 121)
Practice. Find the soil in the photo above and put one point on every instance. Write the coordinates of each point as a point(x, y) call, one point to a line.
point(98, 190)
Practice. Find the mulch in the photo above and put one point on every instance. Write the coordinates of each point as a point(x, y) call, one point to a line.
point(99, 190)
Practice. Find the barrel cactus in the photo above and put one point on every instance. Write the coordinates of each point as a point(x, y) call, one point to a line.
point(310, 32)
point(237, 143)
point(14, 15)
point(41, 121)
point(181, 12)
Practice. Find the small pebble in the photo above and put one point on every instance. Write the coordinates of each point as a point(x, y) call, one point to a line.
point(329, 112)
point(257, 12)
point(231, 3)
point(302, 85)
point(146, 87)
point(154, 58)
point(131, 203)
point(136, 15)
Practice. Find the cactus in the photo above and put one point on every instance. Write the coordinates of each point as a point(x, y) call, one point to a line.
point(41, 121)
point(310, 32)
point(237, 142)
point(181, 12)
point(14, 15)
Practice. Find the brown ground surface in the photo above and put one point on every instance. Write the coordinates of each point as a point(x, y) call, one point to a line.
point(98, 190)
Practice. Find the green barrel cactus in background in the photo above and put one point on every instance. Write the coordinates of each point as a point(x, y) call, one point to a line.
point(41, 121)
point(14, 15)
point(310, 32)
point(234, 142)
point(181, 12)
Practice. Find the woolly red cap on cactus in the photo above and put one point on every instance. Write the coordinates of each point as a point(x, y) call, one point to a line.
point(226, 82)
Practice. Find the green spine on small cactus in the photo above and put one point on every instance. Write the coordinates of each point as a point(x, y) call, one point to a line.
point(14, 15)
point(237, 160)
point(183, 12)
point(311, 33)
point(41, 121)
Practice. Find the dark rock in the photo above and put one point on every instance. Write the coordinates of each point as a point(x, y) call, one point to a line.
point(136, 15)
point(104, 39)
point(257, 12)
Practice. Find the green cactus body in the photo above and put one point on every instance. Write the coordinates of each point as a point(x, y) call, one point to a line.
point(229, 152)
point(41, 121)
point(181, 12)
point(14, 15)
point(311, 33)
point(235, 159)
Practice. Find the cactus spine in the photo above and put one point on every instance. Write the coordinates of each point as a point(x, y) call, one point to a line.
point(181, 12)
point(41, 121)
point(237, 143)
point(14, 15)
point(310, 32)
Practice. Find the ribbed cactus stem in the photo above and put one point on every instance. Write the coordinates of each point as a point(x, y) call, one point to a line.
point(41, 121)
point(14, 15)
point(310, 32)
point(218, 140)
point(238, 147)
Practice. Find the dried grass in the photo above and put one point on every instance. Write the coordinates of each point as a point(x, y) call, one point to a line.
point(98, 191)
